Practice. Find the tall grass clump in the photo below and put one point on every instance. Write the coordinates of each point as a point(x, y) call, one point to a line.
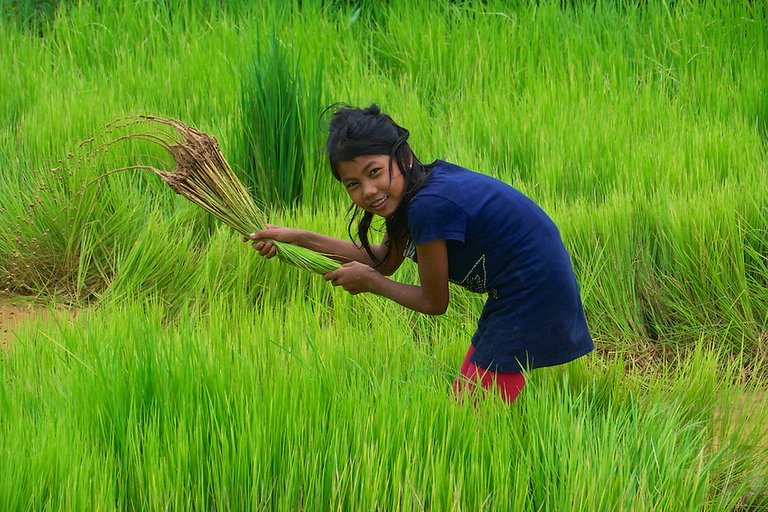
point(281, 107)
point(34, 16)
point(61, 238)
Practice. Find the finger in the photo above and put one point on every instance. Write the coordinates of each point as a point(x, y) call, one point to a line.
point(267, 232)
point(259, 234)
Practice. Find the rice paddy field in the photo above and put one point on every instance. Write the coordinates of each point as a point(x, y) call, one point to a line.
point(152, 361)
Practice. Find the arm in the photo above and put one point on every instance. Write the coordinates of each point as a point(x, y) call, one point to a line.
point(430, 296)
point(340, 250)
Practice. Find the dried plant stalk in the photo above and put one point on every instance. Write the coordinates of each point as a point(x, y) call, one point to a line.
point(203, 176)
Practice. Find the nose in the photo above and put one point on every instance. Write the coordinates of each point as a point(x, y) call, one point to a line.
point(369, 190)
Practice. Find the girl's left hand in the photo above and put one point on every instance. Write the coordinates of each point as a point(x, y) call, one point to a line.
point(355, 277)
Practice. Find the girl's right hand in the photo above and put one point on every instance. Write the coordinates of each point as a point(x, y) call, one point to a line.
point(262, 240)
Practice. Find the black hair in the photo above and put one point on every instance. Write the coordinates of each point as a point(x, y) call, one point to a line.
point(354, 132)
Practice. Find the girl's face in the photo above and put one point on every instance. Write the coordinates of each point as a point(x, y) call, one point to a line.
point(368, 183)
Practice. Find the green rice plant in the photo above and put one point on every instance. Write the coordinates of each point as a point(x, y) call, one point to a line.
point(33, 15)
point(280, 120)
point(133, 405)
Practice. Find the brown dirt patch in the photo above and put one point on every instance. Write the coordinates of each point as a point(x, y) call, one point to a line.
point(14, 314)
point(746, 408)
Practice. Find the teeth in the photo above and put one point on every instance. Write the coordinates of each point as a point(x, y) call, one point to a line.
point(379, 202)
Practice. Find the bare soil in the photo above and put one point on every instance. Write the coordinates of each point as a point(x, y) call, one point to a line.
point(748, 407)
point(13, 314)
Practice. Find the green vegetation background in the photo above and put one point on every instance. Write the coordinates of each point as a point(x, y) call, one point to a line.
point(201, 376)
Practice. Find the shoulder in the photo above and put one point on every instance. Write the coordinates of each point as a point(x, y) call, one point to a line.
point(446, 182)
point(442, 180)
point(440, 191)
point(443, 167)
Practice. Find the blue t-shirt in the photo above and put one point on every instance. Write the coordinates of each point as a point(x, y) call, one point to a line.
point(501, 243)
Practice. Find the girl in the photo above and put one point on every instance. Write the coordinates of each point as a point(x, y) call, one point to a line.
point(458, 226)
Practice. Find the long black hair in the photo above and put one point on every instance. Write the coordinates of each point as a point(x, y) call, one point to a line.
point(354, 132)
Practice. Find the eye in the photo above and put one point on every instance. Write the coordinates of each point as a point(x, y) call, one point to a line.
point(350, 184)
point(375, 171)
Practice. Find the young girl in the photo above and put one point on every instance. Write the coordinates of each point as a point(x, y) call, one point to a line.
point(458, 226)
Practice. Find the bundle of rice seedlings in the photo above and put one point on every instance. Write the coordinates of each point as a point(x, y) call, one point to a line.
point(203, 176)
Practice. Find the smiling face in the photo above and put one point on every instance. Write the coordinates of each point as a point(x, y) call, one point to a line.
point(368, 183)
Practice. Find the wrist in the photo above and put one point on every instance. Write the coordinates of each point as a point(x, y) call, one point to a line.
point(377, 282)
point(300, 237)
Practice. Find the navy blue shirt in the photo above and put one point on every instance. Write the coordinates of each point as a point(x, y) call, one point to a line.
point(501, 243)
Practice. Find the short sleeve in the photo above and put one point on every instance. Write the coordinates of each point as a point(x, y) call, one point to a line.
point(433, 218)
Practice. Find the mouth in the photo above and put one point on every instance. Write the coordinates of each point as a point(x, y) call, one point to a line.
point(379, 203)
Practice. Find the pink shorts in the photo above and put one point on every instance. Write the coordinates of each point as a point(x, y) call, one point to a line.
point(508, 385)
